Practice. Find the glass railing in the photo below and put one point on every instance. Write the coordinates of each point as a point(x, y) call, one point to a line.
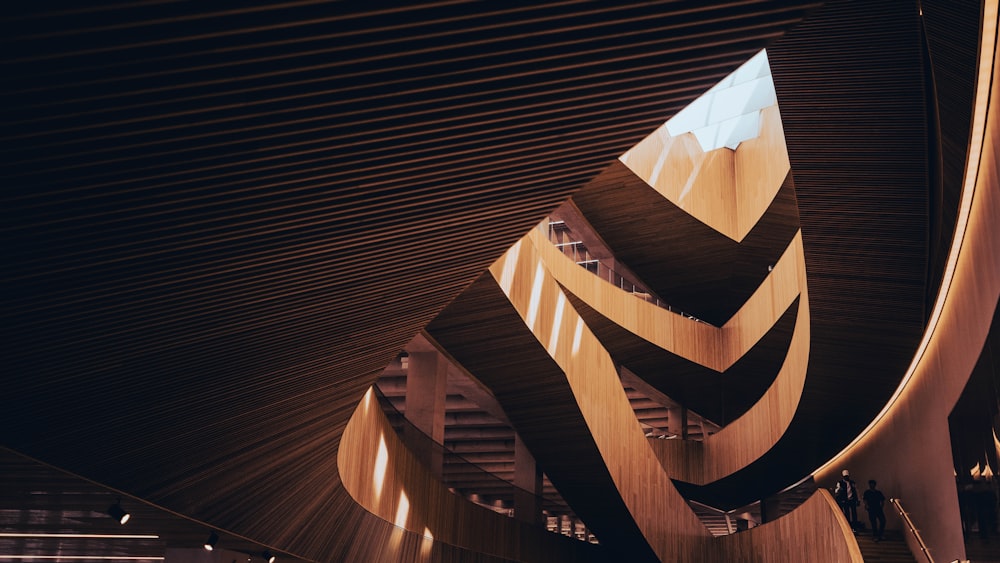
point(477, 485)
point(560, 235)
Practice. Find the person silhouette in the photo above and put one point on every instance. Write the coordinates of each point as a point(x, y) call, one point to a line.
point(846, 494)
point(874, 503)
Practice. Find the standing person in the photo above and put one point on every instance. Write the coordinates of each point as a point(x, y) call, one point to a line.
point(846, 494)
point(874, 504)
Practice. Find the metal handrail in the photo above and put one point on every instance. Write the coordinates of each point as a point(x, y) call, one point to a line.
point(909, 526)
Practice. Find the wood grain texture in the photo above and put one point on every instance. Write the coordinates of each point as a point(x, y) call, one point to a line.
point(761, 165)
point(221, 222)
point(951, 31)
point(720, 397)
point(487, 336)
point(747, 438)
point(728, 190)
point(815, 531)
point(916, 421)
point(860, 171)
point(660, 513)
point(671, 528)
point(709, 193)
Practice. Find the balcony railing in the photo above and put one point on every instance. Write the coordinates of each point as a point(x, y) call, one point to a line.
point(562, 237)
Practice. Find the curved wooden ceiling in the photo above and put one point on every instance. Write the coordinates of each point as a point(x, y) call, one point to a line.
point(219, 226)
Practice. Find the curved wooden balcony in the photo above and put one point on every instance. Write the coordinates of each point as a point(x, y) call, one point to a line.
point(699, 269)
point(720, 349)
point(554, 376)
point(386, 479)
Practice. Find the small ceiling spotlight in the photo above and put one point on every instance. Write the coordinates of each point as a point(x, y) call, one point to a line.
point(118, 513)
point(213, 539)
point(268, 557)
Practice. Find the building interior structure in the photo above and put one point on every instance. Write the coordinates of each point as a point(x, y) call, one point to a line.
point(458, 281)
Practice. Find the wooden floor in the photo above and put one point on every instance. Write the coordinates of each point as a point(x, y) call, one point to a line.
point(982, 550)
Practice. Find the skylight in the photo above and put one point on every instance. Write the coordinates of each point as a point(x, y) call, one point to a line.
point(729, 113)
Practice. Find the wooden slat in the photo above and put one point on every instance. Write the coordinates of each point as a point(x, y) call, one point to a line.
point(479, 330)
point(652, 502)
point(712, 347)
point(761, 165)
point(748, 434)
point(221, 225)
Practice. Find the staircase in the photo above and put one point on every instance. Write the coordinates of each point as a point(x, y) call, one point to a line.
point(890, 550)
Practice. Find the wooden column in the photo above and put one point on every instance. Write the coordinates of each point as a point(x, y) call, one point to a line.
point(528, 485)
point(769, 509)
point(426, 388)
point(677, 421)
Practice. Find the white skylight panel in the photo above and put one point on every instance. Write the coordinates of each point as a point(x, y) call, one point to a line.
point(729, 113)
point(746, 126)
point(762, 94)
point(694, 116)
point(756, 67)
point(707, 136)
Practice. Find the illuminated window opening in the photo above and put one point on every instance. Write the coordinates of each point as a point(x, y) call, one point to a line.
point(381, 464)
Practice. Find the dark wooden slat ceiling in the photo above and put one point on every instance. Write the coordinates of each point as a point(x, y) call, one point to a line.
point(220, 223)
point(950, 29)
point(851, 89)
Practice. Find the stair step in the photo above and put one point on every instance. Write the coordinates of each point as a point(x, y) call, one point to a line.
point(890, 550)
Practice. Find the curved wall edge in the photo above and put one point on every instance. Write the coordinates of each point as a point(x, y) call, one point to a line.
point(894, 448)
